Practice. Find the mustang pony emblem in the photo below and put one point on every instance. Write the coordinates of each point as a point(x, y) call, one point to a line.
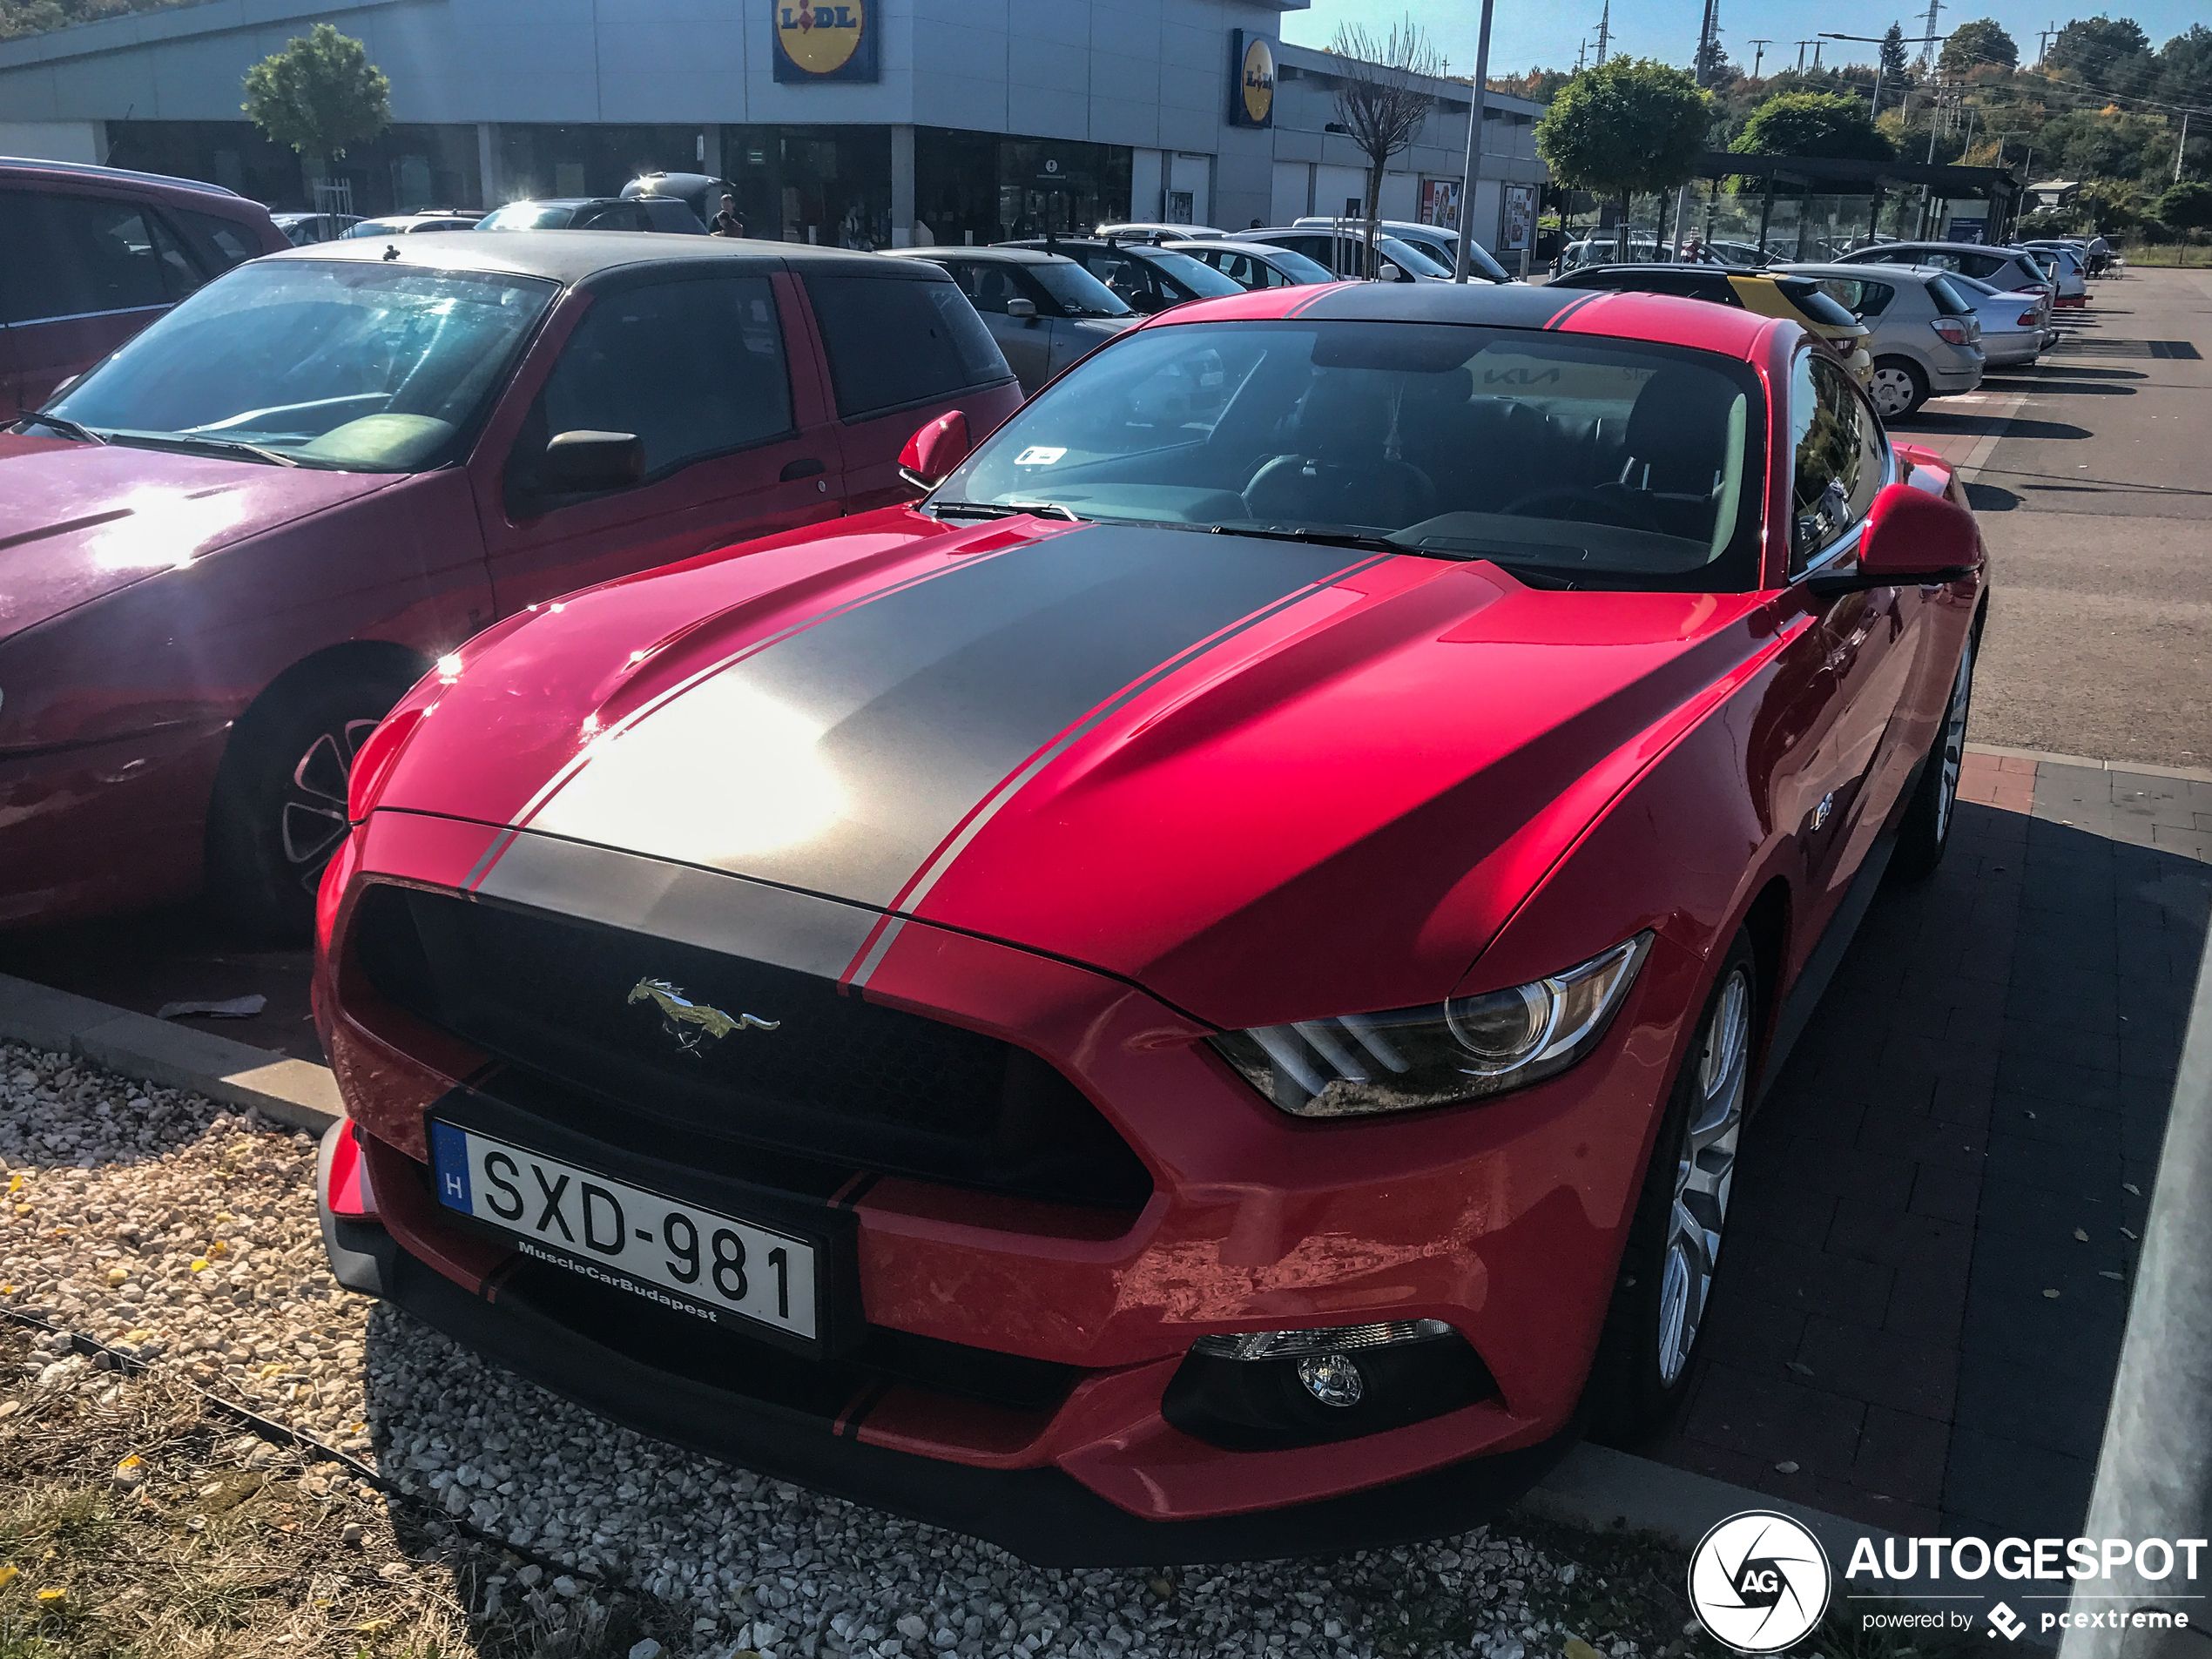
point(693, 1024)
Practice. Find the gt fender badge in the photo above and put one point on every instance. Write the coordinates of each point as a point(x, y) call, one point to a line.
point(1759, 1581)
point(693, 1025)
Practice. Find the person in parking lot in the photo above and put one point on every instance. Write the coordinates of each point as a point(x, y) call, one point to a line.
point(728, 222)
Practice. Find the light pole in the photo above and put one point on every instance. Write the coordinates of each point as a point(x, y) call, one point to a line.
point(1758, 56)
point(1464, 261)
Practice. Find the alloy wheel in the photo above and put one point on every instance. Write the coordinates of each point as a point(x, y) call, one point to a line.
point(1954, 742)
point(1892, 389)
point(312, 816)
point(1703, 1173)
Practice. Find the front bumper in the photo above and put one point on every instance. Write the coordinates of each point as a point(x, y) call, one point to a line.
point(1503, 1220)
point(1041, 1514)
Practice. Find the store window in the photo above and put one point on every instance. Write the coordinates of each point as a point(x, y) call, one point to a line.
point(829, 186)
point(977, 188)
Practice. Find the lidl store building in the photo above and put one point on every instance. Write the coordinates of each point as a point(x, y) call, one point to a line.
point(858, 123)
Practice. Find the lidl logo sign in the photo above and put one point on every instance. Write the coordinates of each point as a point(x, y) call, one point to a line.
point(830, 42)
point(1255, 98)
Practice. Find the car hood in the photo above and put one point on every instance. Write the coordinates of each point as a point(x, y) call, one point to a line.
point(81, 520)
point(1256, 777)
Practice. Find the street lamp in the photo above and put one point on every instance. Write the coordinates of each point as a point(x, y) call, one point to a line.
point(1465, 262)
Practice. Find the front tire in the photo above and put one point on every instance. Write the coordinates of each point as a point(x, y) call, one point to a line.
point(1926, 831)
point(279, 811)
point(1664, 1287)
point(1899, 387)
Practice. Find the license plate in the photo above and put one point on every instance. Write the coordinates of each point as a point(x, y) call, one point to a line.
point(663, 1249)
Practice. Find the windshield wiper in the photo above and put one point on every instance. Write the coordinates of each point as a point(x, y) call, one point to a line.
point(66, 427)
point(211, 446)
point(1002, 510)
point(1321, 538)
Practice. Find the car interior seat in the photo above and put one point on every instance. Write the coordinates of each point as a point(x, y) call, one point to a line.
point(1341, 471)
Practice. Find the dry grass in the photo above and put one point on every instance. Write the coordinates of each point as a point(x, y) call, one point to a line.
point(214, 1544)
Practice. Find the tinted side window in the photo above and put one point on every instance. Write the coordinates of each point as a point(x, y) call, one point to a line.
point(893, 342)
point(70, 255)
point(229, 239)
point(1978, 265)
point(693, 368)
point(1839, 459)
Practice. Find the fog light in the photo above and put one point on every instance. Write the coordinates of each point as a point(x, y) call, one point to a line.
point(1331, 1378)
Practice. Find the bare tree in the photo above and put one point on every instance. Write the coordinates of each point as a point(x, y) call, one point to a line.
point(1380, 101)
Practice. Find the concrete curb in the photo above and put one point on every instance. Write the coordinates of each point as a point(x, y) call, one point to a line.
point(154, 1051)
point(2188, 774)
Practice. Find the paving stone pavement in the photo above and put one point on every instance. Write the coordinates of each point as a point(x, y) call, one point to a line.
point(1919, 1306)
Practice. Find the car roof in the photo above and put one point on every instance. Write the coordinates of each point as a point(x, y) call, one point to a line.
point(577, 201)
point(89, 171)
point(995, 254)
point(1855, 269)
point(1623, 313)
point(1223, 244)
point(572, 256)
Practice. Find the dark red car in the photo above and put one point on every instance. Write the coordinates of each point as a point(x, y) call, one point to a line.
point(93, 254)
point(228, 550)
point(1195, 993)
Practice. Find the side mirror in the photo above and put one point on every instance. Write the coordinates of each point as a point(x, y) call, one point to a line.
point(581, 463)
point(1390, 272)
point(1912, 537)
point(1024, 309)
point(932, 453)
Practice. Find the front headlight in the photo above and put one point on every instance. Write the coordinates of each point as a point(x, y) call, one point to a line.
point(1447, 1052)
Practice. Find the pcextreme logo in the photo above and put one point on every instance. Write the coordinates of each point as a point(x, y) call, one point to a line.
point(1759, 1581)
point(821, 39)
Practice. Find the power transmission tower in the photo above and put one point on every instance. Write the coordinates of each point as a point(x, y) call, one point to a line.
point(1758, 55)
point(1927, 50)
point(1604, 30)
point(1801, 46)
point(1581, 53)
point(2043, 43)
point(1706, 35)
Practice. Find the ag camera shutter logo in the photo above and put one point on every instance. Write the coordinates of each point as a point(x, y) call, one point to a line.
point(1759, 1581)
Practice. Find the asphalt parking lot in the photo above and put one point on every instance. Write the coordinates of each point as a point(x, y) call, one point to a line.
point(1916, 1321)
point(1920, 1311)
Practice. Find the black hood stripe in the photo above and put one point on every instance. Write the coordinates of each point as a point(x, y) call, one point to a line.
point(949, 850)
point(844, 756)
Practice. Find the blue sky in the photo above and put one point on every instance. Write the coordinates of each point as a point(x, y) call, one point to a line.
point(1547, 32)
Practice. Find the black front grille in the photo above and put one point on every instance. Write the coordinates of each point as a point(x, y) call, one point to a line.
point(841, 1081)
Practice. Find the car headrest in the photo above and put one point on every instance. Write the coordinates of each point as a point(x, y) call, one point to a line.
point(1679, 426)
point(1343, 414)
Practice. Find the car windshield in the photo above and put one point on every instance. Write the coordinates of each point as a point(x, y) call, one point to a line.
point(357, 367)
point(1201, 279)
point(528, 216)
point(375, 227)
point(1953, 297)
point(1415, 261)
point(1077, 292)
point(1301, 270)
point(1575, 461)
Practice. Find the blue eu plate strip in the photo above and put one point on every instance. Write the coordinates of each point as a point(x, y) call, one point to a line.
point(450, 1157)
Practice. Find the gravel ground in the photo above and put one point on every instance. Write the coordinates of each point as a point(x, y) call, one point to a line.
point(152, 1218)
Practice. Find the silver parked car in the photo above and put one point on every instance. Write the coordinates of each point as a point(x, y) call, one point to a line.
point(1926, 339)
point(2008, 267)
point(1255, 265)
point(1346, 254)
point(2013, 328)
point(1440, 245)
point(1044, 310)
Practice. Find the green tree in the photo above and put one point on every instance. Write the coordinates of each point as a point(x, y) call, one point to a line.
point(1629, 127)
point(2185, 67)
point(1897, 64)
point(1827, 125)
point(1982, 41)
point(2093, 47)
point(2111, 204)
point(2187, 207)
point(319, 94)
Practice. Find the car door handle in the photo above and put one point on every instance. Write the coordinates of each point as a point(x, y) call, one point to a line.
point(797, 470)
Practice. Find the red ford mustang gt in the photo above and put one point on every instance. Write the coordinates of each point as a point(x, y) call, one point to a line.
point(1194, 994)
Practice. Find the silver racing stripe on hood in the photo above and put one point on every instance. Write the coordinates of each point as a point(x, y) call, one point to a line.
point(843, 757)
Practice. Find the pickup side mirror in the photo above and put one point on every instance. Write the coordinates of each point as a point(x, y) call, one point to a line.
point(1913, 537)
point(932, 453)
point(1024, 309)
point(582, 463)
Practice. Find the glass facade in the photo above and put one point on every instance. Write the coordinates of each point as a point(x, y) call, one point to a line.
point(594, 160)
point(825, 184)
point(981, 187)
point(405, 167)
